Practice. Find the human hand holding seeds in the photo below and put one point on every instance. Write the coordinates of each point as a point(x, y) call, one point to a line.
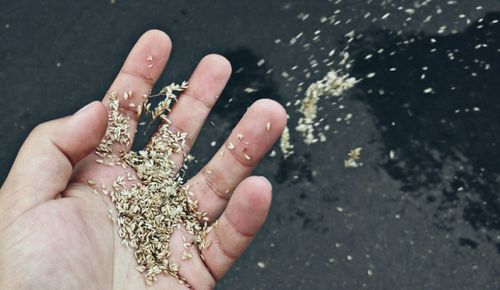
point(73, 217)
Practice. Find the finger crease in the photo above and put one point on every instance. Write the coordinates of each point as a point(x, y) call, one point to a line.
point(147, 79)
point(236, 228)
point(240, 159)
point(131, 112)
point(222, 248)
point(206, 105)
point(214, 187)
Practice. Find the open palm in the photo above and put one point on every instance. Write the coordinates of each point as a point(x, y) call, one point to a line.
point(56, 234)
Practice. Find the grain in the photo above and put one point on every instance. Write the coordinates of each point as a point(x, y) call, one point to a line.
point(353, 158)
point(268, 126)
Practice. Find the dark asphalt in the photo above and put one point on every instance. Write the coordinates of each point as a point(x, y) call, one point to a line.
point(429, 218)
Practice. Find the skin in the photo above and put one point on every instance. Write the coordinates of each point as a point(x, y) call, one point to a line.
point(55, 234)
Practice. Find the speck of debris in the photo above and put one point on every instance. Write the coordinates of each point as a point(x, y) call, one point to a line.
point(250, 90)
point(353, 158)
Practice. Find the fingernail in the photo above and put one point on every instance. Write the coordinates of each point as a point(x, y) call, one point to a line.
point(84, 108)
point(266, 180)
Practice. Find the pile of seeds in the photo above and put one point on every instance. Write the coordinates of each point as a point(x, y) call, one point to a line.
point(332, 84)
point(285, 145)
point(152, 203)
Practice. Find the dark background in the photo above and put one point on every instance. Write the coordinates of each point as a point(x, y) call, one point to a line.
point(429, 218)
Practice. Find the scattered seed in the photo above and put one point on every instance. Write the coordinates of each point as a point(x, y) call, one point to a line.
point(186, 255)
point(268, 126)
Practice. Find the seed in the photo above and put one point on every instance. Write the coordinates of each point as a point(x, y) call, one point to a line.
point(230, 146)
point(125, 96)
point(239, 136)
point(209, 171)
point(268, 126)
point(149, 58)
point(247, 157)
point(186, 255)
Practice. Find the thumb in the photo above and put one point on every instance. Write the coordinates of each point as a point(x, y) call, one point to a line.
point(45, 162)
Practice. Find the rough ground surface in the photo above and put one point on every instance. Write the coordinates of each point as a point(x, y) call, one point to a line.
point(429, 218)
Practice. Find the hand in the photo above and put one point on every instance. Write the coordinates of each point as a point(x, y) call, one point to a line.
point(56, 234)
